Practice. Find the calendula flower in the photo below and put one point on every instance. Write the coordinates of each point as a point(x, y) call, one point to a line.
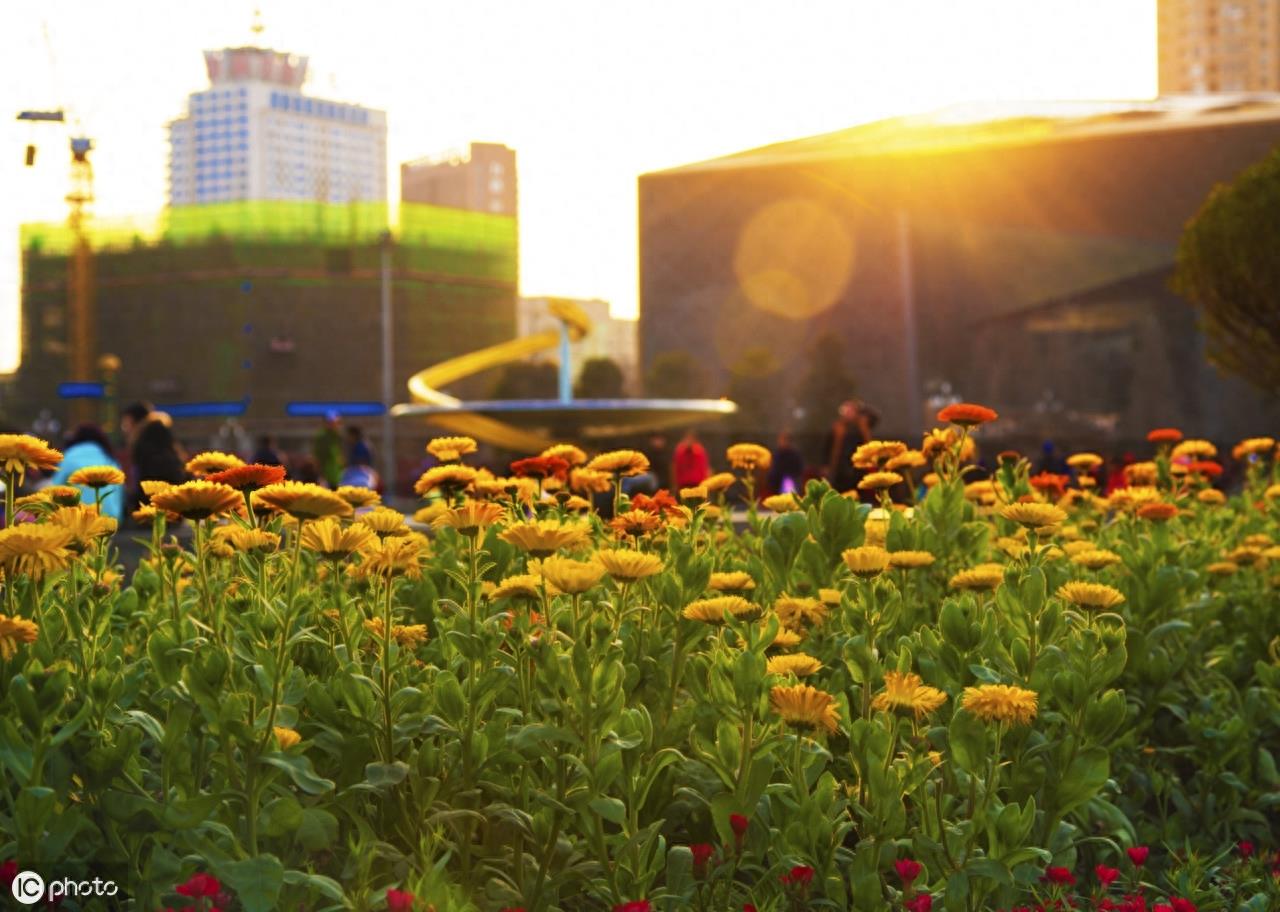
point(334, 541)
point(302, 500)
point(797, 612)
point(1195, 449)
point(589, 481)
point(879, 481)
point(1160, 511)
point(97, 477)
point(714, 610)
point(84, 523)
point(576, 504)
point(13, 631)
point(777, 503)
point(251, 540)
point(1000, 703)
point(627, 566)
point(983, 576)
point(568, 452)
point(966, 414)
point(873, 453)
point(523, 586)
point(802, 706)
point(1254, 446)
point(451, 449)
point(210, 462)
point(572, 576)
point(20, 452)
point(906, 693)
point(33, 550)
point(1094, 596)
point(786, 638)
point(1085, 461)
point(981, 492)
point(1222, 568)
point(1095, 558)
point(1245, 554)
point(62, 495)
point(407, 636)
point(697, 494)
point(1050, 484)
point(145, 515)
point(866, 561)
point(399, 555)
point(720, 482)
point(286, 737)
point(731, 581)
point(1132, 497)
point(449, 478)
point(907, 459)
point(910, 560)
point(830, 597)
point(357, 496)
point(471, 517)
point(1164, 435)
point(635, 523)
point(197, 499)
point(749, 457)
point(248, 477)
point(1034, 515)
point(796, 663)
point(384, 522)
point(1141, 473)
point(541, 467)
point(544, 537)
point(620, 463)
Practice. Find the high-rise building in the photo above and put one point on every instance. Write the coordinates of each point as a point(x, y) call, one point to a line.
point(255, 135)
point(1219, 46)
point(482, 181)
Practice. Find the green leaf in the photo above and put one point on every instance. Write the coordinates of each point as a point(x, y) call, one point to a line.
point(256, 881)
point(611, 809)
point(1084, 778)
point(317, 830)
point(385, 775)
point(300, 771)
point(967, 737)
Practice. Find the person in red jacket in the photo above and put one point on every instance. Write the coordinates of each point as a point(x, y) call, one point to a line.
point(690, 462)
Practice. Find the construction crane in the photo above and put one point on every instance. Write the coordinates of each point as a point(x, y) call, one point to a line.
point(81, 335)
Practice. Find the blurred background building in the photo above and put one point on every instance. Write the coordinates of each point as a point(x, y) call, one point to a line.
point(611, 337)
point(1019, 260)
point(1207, 46)
point(483, 180)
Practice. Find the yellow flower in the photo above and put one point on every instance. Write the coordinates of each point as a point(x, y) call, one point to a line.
point(906, 693)
point(910, 560)
point(197, 499)
point(1096, 596)
point(748, 457)
point(982, 492)
point(797, 664)
point(795, 612)
point(866, 561)
point(721, 481)
point(1000, 703)
point(1086, 461)
point(430, 513)
point(251, 540)
point(731, 581)
point(1034, 515)
point(212, 461)
point(620, 462)
point(84, 523)
point(448, 478)
point(358, 496)
point(384, 522)
point(874, 452)
point(471, 517)
point(983, 576)
point(572, 576)
point(62, 495)
point(1195, 449)
point(576, 504)
point(589, 481)
point(286, 737)
point(698, 493)
point(779, 503)
point(15, 630)
point(1254, 446)
point(786, 639)
point(451, 449)
point(334, 541)
point(1245, 554)
point(802, 706)
point(566, 451)
point(627, 566)
point(544, 537)
point(1211, 496)
point(19, 452)
point(1217, 568)
point(523, 586)
point(31, 550)
point(1095, 558)
point(398, 555)
point(1272, 492)
point(409, 636)
point(1013, 547)
point(878, 481)
point(302, 500)
point(908, 459)
point(830, 597)
point(713, 610)
point(96, 477)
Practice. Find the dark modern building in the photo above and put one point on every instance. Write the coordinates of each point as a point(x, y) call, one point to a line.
point(1022, 262)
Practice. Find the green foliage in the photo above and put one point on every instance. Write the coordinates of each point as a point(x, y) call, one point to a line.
point(600, 378)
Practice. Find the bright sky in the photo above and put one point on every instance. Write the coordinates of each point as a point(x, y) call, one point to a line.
point(589, 93)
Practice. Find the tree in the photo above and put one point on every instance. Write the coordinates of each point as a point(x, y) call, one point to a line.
point(527, 380)
point(826, 383)
point(1228, 268)
point(676, 375)
point(600, 378)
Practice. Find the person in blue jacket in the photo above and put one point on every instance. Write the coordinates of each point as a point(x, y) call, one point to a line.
point(88, 446)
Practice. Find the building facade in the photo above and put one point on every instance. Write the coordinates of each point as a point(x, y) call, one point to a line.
point(1208, 46)
point(1022, 262)
point(483, 180)
point(610, 337)
point(254, 134)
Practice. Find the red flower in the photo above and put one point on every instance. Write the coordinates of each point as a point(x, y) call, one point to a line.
point(660, 503)
point(1162, 907)
point(1164, 435)
point(967, 414)
point(541, 467)
point(799, 876)
point(1106, 876)
point(907, 869)
point(513, 909)
point(1245, 848)
point(636, 905)
point(199, 884)
point(739, 825)
point(1048, 481)
point(8, 871)
point(921, 903)
point(748, 907)
point(1182, 905)
point(1058, 876)
point(702, 852)
point(1138, 855)
point(1206, 467)
point(248, 477)
point(399, 900)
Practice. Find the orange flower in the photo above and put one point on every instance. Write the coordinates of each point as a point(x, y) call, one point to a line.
point(541, 467)
point(635, 522)
point(966, 414)
point(1164, 435)
point(1160, 511)
point(248, 477)
point(97, 476)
